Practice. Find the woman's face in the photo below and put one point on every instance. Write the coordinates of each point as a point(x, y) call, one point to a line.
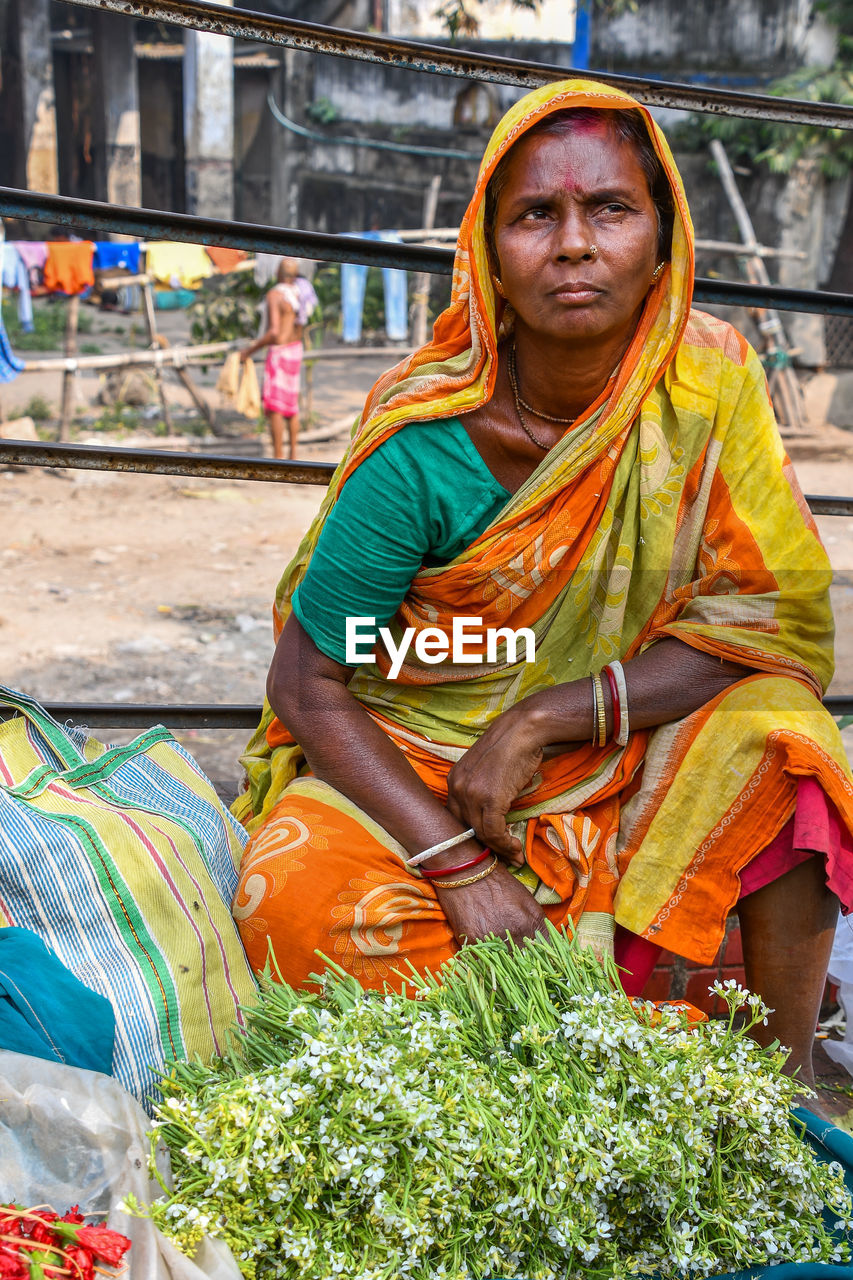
point(563, 194)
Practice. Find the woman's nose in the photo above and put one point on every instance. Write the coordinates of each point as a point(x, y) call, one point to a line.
point(575, 241)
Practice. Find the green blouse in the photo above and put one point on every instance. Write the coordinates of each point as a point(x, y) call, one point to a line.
point(418, 500)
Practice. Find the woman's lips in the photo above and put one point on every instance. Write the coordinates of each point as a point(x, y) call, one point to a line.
point(577, 292)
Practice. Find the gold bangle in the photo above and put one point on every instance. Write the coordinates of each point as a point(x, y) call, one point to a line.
point(599, 734)
point(458, 884)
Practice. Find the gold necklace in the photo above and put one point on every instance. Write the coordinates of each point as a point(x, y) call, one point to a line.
point(547, 417)
point(510, 368)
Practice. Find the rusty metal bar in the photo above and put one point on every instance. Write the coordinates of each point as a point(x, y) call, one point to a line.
point(158, 224)
point(451, 61)
point(85, 457)
point(93, 215)
point(139, 715)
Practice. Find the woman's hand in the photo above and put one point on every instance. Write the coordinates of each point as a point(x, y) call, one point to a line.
point(497, 905)
point(484, 785)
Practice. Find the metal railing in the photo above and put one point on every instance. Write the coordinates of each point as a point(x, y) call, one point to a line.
point(93, 215)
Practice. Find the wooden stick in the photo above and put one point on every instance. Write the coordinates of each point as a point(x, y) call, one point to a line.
point(69, 377)
point(153, 341)
point(423, 278)
point(204, 352)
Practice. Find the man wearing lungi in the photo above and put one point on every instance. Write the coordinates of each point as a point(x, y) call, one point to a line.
point(283, 337)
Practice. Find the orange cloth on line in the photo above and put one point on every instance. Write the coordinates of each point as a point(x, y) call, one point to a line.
point(68, 268)
point(225, 259)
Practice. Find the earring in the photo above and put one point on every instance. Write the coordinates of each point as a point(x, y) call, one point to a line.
point(498, 286)
point(658, 269)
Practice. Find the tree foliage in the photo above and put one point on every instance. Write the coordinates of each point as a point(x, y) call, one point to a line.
point(780, 146)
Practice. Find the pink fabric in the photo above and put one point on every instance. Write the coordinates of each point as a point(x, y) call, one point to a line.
point(33, 253)
point(281, 379)
point(814, 828)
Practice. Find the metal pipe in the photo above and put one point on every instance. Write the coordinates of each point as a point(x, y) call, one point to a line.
point(450, 61)
point(85, 457)
point(139, 715)
point(93, 215)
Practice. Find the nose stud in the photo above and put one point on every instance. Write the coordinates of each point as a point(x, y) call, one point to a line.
point(593, 251)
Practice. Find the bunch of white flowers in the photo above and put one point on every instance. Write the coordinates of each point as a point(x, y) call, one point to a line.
point(521, 1117)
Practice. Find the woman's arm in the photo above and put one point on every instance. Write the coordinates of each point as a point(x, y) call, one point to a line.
point(346, 748)
point(667, 682)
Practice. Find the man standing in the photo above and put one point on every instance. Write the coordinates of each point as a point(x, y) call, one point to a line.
point(285, 319)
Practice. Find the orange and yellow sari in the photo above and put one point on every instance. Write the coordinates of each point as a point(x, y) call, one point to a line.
point(671, 511)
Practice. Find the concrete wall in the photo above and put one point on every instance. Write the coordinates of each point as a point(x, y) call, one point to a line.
point(742, 39)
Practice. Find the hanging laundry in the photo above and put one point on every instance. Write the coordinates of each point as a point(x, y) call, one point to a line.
point(307, 299)
point(225, 259)
point(113, 255)
point(69, 266)
point(395, 286)
point(16, 276)
point(34, 255)
point(181, 266)
point(10, 365)
point(266, 268)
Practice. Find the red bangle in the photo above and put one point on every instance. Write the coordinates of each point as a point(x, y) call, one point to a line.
point(463, 866)
point(614, 698)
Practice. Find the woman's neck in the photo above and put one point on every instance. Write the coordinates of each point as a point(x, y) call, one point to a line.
point(565, 379)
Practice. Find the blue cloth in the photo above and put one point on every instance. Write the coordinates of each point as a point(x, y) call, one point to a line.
point(395, 285)
point(111, 255)
point(46, 1012)
point(10, 365)
point(16, 276)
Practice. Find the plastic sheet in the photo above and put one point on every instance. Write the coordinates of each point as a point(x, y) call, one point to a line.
point(841, 971)
point(68, 1137)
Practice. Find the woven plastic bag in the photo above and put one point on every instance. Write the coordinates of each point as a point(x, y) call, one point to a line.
point(123, 860)
point(70, 1137)
point(228, 382)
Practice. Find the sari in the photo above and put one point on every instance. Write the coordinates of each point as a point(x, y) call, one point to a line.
point(670, 509)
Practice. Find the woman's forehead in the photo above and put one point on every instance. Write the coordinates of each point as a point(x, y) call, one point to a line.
point(588, 155)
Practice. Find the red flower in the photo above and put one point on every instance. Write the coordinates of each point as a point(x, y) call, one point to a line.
point(80, 1262)
point(12, 1267)
point(106, 1245)
point(42, 1230)
point(9, 1225)
point(73, 1215)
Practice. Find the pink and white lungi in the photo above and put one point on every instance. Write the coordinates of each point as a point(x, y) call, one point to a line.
point(281, 379)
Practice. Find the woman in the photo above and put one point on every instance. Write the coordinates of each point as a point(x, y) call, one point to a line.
point(578, 454)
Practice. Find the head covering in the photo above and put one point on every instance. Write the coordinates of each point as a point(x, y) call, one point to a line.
point(455, 372)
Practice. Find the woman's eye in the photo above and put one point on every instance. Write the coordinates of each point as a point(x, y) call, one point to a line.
point(614, 207)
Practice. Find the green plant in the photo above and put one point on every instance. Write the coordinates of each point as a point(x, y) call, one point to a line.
point(91, 349)
point(117, 417)
point(38, 408)
point(227, 308)
point(323, 110)
point(780, 146)
point(49, 320)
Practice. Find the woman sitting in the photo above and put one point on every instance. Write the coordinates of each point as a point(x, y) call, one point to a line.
point(580, 454)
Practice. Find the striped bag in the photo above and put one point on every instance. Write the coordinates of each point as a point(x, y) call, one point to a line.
point(122, 859)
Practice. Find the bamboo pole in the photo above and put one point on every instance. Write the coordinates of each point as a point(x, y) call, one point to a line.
point(422, 279)
point(179, 355)
point(153, 342)
point(72, 320)
point(781, 379)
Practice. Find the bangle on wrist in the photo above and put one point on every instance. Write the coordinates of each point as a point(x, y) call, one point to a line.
point(614, 702)
point(458, 884)
point(449, 871)
point(621, 725)
point(599, 721)
point(417, 858)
